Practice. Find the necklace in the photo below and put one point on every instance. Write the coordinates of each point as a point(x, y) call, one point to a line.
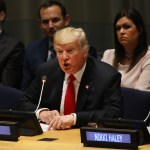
point(128, 55)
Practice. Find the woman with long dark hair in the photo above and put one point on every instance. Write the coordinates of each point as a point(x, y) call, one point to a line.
point(131, 56)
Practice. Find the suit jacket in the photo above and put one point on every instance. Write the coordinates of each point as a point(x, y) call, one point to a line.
point(11, 61)
point(99, 93)
point(36, 54)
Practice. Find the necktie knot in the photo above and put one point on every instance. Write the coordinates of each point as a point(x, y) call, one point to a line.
point(71, 78)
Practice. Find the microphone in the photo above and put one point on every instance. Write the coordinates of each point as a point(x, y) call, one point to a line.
point(43, 83)
point(147, 117)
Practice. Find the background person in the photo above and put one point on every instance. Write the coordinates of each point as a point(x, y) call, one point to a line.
point(52, 16)
point(97, 85)
point(131, 56)
point(11, 55)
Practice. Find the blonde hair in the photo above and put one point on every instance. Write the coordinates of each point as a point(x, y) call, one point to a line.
point(70, 35)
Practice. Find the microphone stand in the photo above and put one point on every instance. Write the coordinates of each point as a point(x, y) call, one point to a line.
point(43, 82)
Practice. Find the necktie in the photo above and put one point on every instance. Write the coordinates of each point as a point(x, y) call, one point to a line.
point(69, 102)
point(51, 53)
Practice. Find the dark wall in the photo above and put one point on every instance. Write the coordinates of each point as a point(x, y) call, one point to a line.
point(95, 16)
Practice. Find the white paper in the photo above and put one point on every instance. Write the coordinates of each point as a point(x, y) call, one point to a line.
point(148, 129)
point(44, 127)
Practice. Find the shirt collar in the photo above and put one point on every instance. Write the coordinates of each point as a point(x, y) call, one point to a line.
point(50, 44)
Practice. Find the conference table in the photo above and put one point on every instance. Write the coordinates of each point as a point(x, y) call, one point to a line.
point(53, 140)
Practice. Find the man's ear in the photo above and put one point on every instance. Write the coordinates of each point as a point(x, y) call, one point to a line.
point(67, 20)
point(85, 49)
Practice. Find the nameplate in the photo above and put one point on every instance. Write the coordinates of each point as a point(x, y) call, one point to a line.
point(9, 131)
point(109, 137)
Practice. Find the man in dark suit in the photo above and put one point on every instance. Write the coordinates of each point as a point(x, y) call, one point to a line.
point(11, 55)
point(97, 85)
point(52, 16)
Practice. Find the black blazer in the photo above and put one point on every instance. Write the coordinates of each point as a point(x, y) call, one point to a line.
point(36, 54)
point(11, 60)
point(99, 93)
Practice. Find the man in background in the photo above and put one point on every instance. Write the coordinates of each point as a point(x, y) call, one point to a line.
point(11, 55)
point(52, 16)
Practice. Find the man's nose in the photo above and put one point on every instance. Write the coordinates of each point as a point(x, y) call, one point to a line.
point(50, 23)
point(65, 55)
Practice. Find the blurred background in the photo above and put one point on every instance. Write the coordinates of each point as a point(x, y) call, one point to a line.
point(94, 16)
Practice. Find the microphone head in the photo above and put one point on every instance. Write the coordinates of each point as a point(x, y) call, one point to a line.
point(44, 78)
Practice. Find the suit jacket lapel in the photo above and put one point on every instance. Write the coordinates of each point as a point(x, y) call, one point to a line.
point(85, 87)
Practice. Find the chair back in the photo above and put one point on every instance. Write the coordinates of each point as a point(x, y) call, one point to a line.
point(136, 104)
point(9, 97)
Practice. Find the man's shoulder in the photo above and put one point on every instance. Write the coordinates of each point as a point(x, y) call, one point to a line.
point(37, 43)
point(102, 72)
point(11, 39)
point(101, 66)
point(92, 51)
point(37, 46)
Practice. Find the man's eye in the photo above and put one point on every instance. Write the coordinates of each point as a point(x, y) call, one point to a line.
point(45, 21)
point(54, 20)
point(59, 52)
point(70, 50)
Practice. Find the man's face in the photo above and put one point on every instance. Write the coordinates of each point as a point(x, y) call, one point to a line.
point(71, 57)
point(52, 20)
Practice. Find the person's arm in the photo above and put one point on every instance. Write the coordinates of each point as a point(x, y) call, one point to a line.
point(143, 82)
point(50, 90)
point(29, 101)
point(12, 73)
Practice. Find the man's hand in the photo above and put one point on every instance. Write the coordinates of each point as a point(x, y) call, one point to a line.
point(47, 116)
point(61, 122)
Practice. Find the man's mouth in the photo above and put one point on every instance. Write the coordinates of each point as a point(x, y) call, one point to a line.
point(66, 64)
point(51, 32)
